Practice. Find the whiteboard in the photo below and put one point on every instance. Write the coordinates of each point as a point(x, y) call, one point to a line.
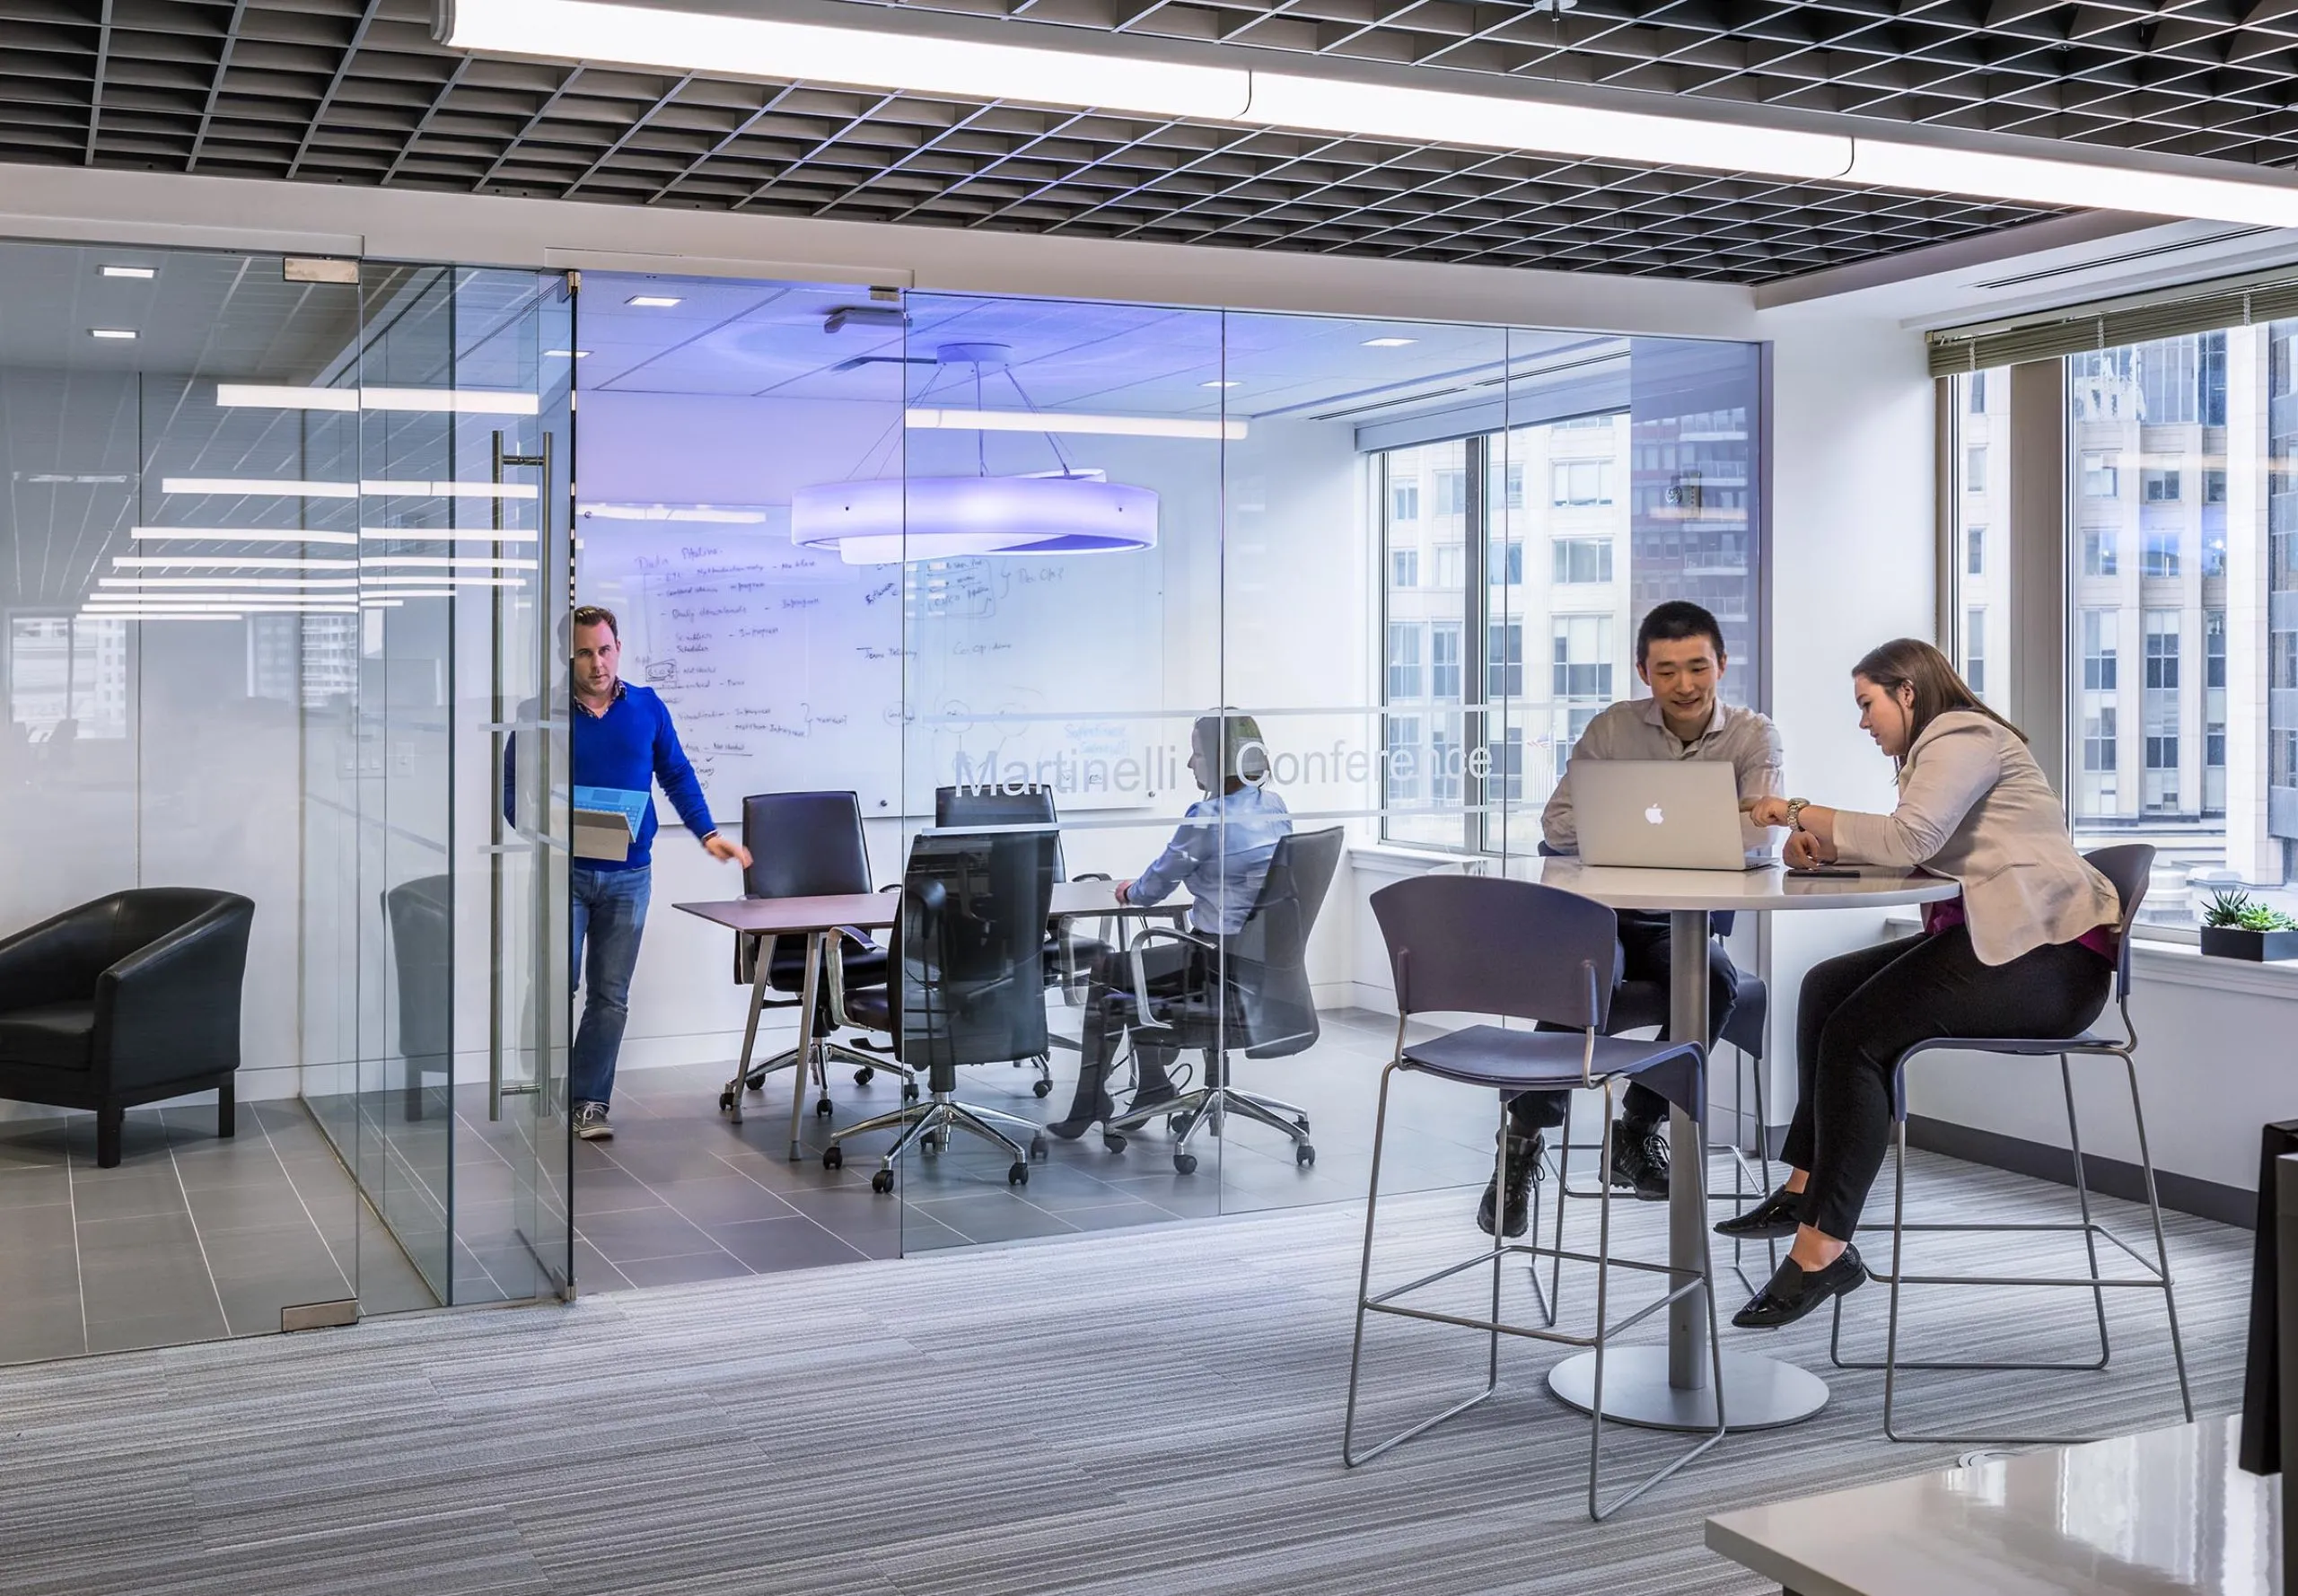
point(788, 669)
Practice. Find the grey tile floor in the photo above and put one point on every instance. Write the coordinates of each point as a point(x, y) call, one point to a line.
point(683, 1195)
point(190, 1238)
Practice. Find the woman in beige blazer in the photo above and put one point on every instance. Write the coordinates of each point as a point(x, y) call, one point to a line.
point(2027, 950)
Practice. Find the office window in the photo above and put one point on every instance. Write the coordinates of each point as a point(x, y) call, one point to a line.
point(67, 677)
point(2099, 628)
point(1975, 393)
point(1584, 657)
point(1582, 482)
point(1506, 754)
point(1583, 559)
point(2159, 554)
point(2099, 739)
point(2099, 476)
point(2161, 650)
point(1404, 501)
point(1975, 469)
point(1975, 551)
point(2213, 486)
point(2098, 551)
point(1512, 486)
point(2159, 487)
point(1404, 659)
point(1505, 660)
point(1975, 649)
point(1452, 562)
point(1451, 492)
point(1406, 758)
point(2213, 551)
point(1446, 769)
point(1507, 562)
point(1404, 568)
point(2214, 649)
point(1445, 660)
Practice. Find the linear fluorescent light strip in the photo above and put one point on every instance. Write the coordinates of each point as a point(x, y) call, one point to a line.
point(694, 512)
point(231, 534)
point(381, 581)
point(164, 615)
point(415, 534)
point(419, 488)
point(295, 584)
point(440, 401)
point(1061, 421)
point(225, 562)
point(442, 562)
point(976, 69)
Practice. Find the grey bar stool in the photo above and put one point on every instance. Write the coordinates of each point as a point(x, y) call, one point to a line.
point(1481, 946)
point(2128, 867)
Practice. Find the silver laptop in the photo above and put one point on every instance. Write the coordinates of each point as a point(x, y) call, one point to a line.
point(1662, 814)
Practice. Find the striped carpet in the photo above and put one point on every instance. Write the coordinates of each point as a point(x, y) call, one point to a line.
point(1144, 1411)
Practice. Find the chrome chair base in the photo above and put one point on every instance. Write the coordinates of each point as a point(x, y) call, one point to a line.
point(927, 1125)
point(1680, 1284)
point(2155, 1276)
point(1210, 1106)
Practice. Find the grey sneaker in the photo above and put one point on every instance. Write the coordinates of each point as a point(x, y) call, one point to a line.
point(591, 1123)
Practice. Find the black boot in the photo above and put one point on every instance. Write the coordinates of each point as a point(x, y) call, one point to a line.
point(1524, 1153)
point(1152, 1084)
point(1090, 1103)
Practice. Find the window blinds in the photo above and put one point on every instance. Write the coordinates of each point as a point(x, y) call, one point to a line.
point(2204, 307)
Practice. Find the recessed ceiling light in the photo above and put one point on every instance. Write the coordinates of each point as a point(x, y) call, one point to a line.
point(1216, 384)
point(140, 272)
point(574, 354)
point(653, 302)
point(110, 332)
point(1389, 343)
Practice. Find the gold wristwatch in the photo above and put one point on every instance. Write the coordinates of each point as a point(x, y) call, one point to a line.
point(1796, 807)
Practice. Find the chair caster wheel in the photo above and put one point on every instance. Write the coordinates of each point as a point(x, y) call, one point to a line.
point(1304, 1155)
point(882, 1182)
point(930, 1145)
point(1178, 1124)
point(909, 1091)
point(1301, 1120)
point(833, 1157)
point(1042, 1088)
point(822, 1108)
point(1185, 1164)
point(865, 1075)
point(1019, 1175)
point(1039, 1150)
point(726, 1102)
point(1112, 1141)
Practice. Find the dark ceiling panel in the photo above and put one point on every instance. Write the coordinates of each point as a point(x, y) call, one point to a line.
point(354, 91)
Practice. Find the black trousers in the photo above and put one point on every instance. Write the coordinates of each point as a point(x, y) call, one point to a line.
point(1642, 956)
point(1860, 1011)
point(1172, 968)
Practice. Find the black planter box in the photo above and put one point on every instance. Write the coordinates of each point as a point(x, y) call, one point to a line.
point(2231, 941)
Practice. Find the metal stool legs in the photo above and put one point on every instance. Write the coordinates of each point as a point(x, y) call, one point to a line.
point(2155, 1276)
point(1494, 1327)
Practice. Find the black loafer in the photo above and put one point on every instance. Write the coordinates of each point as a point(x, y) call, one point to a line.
point(1791, 1292)
point(1775, 1217)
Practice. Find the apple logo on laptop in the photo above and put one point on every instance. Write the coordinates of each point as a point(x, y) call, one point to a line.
point(1655, 815)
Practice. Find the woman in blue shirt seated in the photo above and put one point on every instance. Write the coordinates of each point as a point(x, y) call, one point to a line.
point(1221, 854)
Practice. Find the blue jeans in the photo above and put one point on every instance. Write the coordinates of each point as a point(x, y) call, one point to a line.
point(610, 913)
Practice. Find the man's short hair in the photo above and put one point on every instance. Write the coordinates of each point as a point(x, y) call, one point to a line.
point(594, 614)
point(1674, 622)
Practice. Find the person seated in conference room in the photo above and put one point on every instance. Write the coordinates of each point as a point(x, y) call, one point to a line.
point(2027, 950)
point(622, 739)
point(1221, 854)
point(1680, 655)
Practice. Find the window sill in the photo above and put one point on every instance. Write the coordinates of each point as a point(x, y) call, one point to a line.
point(2183, 964)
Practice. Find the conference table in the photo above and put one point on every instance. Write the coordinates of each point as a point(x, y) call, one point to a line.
point(1667, 1388)
point(818, 919)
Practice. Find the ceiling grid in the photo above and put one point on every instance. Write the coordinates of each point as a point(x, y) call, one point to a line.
point(354, 91)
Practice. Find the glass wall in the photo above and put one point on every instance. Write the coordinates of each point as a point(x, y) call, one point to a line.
point(988, 563)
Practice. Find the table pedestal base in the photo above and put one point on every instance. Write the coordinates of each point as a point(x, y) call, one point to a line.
point(1760, 1393)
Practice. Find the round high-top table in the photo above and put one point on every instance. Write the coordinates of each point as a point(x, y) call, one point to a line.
point(1667, 1388)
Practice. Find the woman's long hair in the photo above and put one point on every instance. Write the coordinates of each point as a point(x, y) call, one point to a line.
point(1939, 687)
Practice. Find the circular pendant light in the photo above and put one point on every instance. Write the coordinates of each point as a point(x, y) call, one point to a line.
point(885, 520)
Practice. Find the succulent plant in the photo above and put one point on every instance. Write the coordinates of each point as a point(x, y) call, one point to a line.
point(2240, 911)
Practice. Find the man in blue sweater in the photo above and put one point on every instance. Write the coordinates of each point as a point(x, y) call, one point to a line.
point(622, 738)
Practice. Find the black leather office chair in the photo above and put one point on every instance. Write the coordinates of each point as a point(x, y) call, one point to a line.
point(810, 845)
point(131, 999)
point(1258, 1002)
point(421, 916)
point(971, 948)
point(1069, 957)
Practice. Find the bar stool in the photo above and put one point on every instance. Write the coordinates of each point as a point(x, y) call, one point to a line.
point(2128, 867)
point(1481, 946)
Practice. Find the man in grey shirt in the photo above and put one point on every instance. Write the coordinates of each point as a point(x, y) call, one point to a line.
point(1680, 655)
